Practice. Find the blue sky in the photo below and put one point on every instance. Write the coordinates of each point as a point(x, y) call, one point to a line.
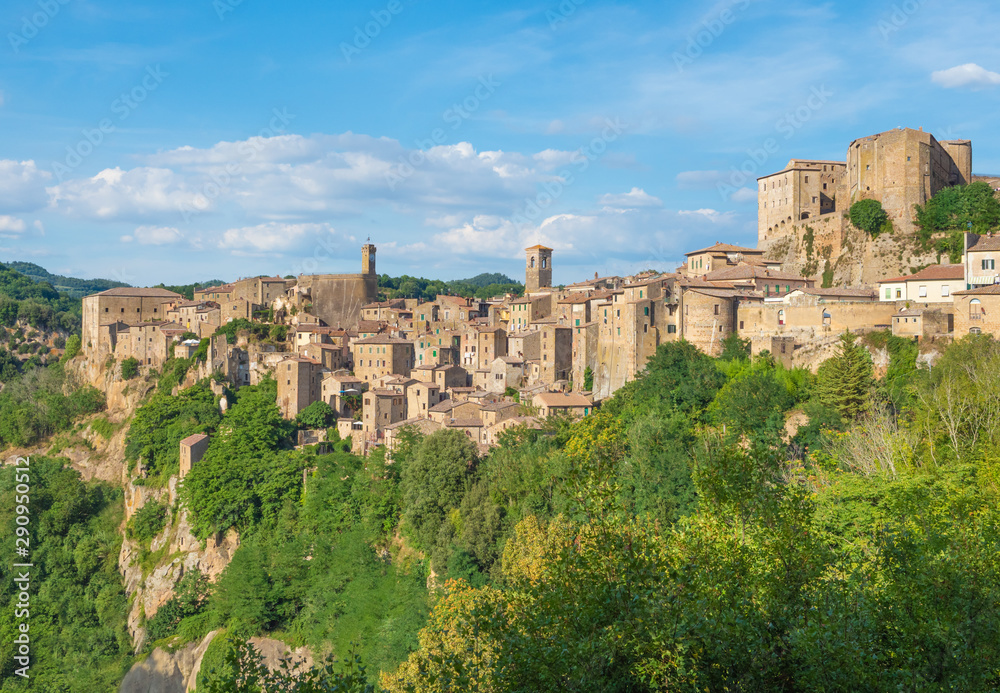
point(195, 139)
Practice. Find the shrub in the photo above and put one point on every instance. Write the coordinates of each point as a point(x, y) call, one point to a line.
point(316, 415)
point(130, 368)
point(869, 216)
point(147, 522)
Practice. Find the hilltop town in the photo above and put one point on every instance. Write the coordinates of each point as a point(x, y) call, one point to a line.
point(485, 366)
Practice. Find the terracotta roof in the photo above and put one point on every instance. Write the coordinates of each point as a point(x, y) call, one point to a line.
point(932, 273)
point(747, 271)
point(563, 399)
point(464, 423)
point(986, 243)
point(444, 405)
point(140, 292)
point(192, 439)
point(725, 248)
point(538, 247)
point(991, 290)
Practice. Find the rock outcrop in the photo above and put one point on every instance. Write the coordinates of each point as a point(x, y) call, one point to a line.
point(177, 671)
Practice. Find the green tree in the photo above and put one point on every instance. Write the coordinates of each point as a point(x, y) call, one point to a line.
point(130, 368)
point(868, 216)
point(734, 348)
point(319, 414)
point(588, 379)
point(845, 382)
point(433, 482)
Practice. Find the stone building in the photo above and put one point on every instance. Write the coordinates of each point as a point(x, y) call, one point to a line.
point(899, 168)
point(146, 342)
point(977, 311)
point(381, 355)
point(981, 256)
point(338, 299)
point(538, 268)
point(192, 449)
point(719, 256)
point(299, 381)
point(556, 349)
point(124, 304)
point(922, 322)
point(554, 403)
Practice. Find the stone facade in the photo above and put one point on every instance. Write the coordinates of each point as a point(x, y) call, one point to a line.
point(192, 449)
point(125, 305)
point(538, 268)
point(977, 311)
point(299, 381)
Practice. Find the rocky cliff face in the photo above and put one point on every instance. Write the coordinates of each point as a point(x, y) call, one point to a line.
point(181, 550)
point(176, 671)
point(833, 250)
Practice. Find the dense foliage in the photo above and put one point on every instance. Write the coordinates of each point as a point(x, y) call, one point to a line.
point(944, 219)
point(41, 402)
point(482, 286)
point(163, 422)
point(868, 216)
point(78, 609)
point(37, 303)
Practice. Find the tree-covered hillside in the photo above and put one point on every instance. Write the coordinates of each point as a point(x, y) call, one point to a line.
point(481, 286)
point(71, 286)
point(684, 536)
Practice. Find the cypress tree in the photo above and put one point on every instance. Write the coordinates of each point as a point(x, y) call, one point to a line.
point(846, 380)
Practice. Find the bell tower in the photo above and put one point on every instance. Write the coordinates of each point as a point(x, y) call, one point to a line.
point(368, 258)
point(538, 268)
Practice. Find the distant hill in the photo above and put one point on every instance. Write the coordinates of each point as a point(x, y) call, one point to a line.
point(487, 279)
point(71, 286)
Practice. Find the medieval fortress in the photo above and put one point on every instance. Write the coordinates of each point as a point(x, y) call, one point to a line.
point(484, 366)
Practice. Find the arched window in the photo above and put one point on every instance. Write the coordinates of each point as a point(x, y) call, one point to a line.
point(975, 309)
point(781, 317)
point(532, 260)
point(827, 318)
point(805, 215)
point(545, 262)
point(975, 330)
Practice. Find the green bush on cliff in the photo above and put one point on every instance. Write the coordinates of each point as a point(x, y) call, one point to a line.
point(869, 216)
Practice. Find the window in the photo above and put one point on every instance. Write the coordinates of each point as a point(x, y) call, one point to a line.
point(989, 264)
point(781, 317)
point(945, 290)
point(888, 293)
point(815, 199)
point(545, 263)
point(646, 310)
point(922, 292)
point(715, 308)
point(577, 322)
point(640, 293)
point(671, 329)
point(975, 309)
point(807, 179)
point(899, 293)
point(741, 324)
point(975, 330)
point(824, 186)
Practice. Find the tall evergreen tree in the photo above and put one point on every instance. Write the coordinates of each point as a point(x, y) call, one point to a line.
point(846, 381)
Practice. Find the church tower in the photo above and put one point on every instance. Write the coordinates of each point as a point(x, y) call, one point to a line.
point(538, 268)
point(368, 259)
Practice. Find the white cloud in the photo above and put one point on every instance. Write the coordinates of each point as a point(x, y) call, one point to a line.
point(156, 235)
point(11, 225)
point(700, 179)
point(275, 238)
point(969, 75)
point(744, 195)
point(140, 193)
point(637, 197)
point(22, 185)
